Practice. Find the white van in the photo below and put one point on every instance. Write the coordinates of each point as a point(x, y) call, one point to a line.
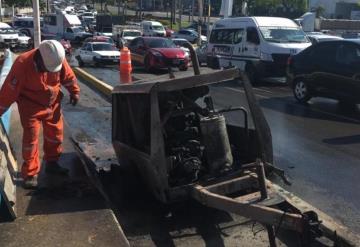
point(152, 28)
point(258, 45)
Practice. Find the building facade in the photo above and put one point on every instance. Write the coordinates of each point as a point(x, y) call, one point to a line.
point(335, 8)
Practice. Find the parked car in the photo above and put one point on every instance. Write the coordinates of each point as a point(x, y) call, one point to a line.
point(317, 37)
point(152, 28)
point(157, 52)
point(181, 44)
point(97, 53)
point(190, 35)
point(168, 32)
point(201, 53)
point(204, 27)
point(100, 39)
point(23, 41)
point(328, 69)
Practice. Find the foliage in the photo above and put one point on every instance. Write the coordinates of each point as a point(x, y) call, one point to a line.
point(18, 3)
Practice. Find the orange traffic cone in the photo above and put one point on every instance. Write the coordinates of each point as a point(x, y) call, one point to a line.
point(125, 78)
point(125, 66)
point(125, 61)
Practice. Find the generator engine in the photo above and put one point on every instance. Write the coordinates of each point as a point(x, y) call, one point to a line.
point(196, 140)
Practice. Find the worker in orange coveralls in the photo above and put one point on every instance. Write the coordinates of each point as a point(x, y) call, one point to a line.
point(34, 82)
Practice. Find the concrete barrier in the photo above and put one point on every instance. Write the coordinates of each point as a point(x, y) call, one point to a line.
point(103, 87)
point(4, 72)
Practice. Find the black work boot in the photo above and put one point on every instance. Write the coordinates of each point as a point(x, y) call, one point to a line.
point(52, 167)
point(30, 182)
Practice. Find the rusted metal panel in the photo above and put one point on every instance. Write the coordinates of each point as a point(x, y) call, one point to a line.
point(256, 212)
point(166, 85)
point(262, 128)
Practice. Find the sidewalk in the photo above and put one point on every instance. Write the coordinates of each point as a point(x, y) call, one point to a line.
point(63, 211)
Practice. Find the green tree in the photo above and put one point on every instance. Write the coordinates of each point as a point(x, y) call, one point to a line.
point(18, 3)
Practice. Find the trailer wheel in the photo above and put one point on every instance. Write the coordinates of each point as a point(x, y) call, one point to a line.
point(301, 90)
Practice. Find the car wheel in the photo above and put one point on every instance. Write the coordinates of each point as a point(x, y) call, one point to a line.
point(147, 64)
point(80, 61)
point(251, 74)
point(183, 68)
point(301, 90)
point(78, 40)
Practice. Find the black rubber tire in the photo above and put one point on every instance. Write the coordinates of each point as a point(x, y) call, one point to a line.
point(347, 105)
point(301, 90)
point(80, 61)
point(184, 68)
point(77, 40)
point(251, 74)
point(147, 64)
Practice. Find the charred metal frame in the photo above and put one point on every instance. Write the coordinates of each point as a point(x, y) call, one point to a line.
point(261, 204)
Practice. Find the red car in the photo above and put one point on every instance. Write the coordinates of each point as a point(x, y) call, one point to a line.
point(65, 43)
point(169, 32)
point(157, 53)
point(100, 39)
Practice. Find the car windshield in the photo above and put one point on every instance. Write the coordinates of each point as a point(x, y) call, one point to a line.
point(283, 34)
point(78, 29)
point(103, 47)
point(160, 43)
point(179, 42)
point(7, 30)
point(132, 34)
point(158, 28)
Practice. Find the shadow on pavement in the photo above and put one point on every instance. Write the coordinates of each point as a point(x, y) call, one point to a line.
point(63, 194)
point(343, 140)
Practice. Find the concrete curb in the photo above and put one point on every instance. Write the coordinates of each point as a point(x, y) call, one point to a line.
point(103, 87)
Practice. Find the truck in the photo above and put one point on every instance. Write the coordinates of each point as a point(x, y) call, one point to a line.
point(104, 25)
point(309, 23)
point(67, 26)
point(125, 33)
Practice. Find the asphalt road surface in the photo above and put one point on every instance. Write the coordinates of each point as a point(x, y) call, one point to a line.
point(316, 144)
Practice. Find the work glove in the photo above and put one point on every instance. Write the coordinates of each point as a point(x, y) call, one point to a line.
point(74, 99)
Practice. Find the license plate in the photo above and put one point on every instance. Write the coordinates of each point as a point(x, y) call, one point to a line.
point(115, 60)
point(176, 61)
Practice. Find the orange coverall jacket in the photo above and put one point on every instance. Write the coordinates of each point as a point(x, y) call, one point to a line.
point(38, 97)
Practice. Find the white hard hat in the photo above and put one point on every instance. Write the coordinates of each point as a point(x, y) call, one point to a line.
point(53, 55)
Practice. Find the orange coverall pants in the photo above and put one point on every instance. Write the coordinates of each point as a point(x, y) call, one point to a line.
point(52, 123)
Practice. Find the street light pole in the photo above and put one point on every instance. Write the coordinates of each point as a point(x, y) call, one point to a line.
point(1, 10)
point(37, 32)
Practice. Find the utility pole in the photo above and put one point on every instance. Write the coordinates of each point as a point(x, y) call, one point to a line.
point(200, 20)
point(37, 32)
point(119, 7)
point(180, 12)
point(208, 21)
point(192, 10)
point(1, 10)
